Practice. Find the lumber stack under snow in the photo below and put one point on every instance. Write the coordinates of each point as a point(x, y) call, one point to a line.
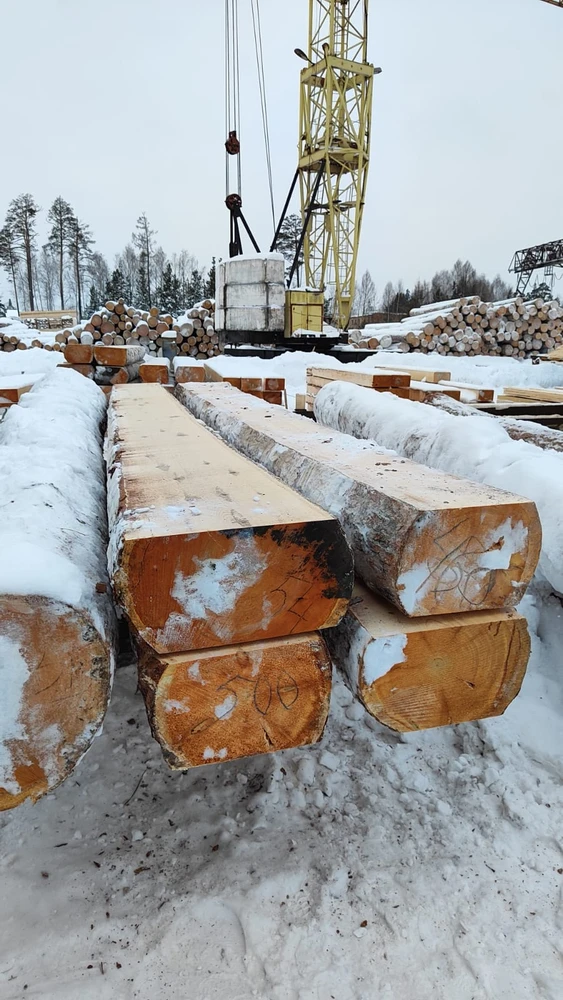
point(270, 388)
point(57, 625)
point(428, 542)
point(399, 383)
point(470, 327)
point(209, 552)
point(421, 673)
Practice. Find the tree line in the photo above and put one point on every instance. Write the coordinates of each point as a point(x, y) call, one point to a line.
point(68, 272)
point(461, 280)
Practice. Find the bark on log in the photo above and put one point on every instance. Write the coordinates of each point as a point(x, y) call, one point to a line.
point(413, 674)
point(57, 627)
point(223, 704)
point(207, 549)
point(423, 539)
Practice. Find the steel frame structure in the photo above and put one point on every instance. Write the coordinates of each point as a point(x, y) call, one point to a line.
point(334, 146)
point(545, 256)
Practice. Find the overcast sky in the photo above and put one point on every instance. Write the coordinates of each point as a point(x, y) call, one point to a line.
point(117, 105)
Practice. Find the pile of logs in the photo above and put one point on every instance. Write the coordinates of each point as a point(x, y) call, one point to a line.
point(470, 327)
point(225, 576)
point(432, 638)
point(118, 324)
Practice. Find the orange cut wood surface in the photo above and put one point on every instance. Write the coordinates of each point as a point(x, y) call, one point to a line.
point(219, 705)
point(414, 674)
point(63, 700)
point(154, 373)
point(208, 548)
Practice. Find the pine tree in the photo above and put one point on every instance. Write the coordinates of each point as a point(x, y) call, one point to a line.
point(2, 309)
point(288, 243)
point(141, 284)
point(195, 291)
point(95, 301)
point(209, 286)
point(167, 295)
point(21, 220)
point(143, 240)
point(79, 244)
point(10, 258)
point(60, 215)
point(115, 286)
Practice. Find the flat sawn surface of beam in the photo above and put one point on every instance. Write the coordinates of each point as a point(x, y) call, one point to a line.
point(206, 548)
point(430, 543)
point(414, 674)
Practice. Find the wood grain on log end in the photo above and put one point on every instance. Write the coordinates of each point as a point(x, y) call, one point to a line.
point(207, 589)
point(57, 670)
point(425, 673)
point(218, 705)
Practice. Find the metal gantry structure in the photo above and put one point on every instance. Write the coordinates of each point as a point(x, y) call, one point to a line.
point(546, 257)
point(334, 146)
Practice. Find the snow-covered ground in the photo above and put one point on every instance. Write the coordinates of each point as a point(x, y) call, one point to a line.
point(418, 867)
point(425, 867)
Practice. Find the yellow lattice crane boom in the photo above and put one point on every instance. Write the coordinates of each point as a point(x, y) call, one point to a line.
point(335, 122)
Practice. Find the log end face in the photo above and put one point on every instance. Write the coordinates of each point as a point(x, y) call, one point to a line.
point(238, 701)
point(426, 680)
point(478, 559)
point(55, 674)
point(185, 592)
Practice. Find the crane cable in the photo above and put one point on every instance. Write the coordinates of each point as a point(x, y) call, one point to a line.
point(232, 86)
point(258, 47)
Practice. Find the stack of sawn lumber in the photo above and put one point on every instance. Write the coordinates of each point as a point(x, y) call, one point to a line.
point(431, 637)
point(225, 575)
point(270, 388)
point(407, 383)
point(107, 365)
point(470, 327)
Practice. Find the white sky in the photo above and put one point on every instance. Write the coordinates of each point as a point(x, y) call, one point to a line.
point(117, 105)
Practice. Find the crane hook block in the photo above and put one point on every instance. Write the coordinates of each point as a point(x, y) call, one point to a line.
point(233, 202)
point(232, 144)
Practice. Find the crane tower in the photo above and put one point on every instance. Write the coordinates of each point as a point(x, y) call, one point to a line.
point(334, 146)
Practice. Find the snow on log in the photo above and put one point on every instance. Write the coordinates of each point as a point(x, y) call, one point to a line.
point(516, 428)
point(206, 549)
point(476, 446)
point(429, 543)
point(56, 617)
point(220, 704)
point(414, 674)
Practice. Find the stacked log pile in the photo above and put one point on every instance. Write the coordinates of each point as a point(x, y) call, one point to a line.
point(225, 586)
point(57, 627)
point(429, 543)
point(118, 324)
point(470, 327)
